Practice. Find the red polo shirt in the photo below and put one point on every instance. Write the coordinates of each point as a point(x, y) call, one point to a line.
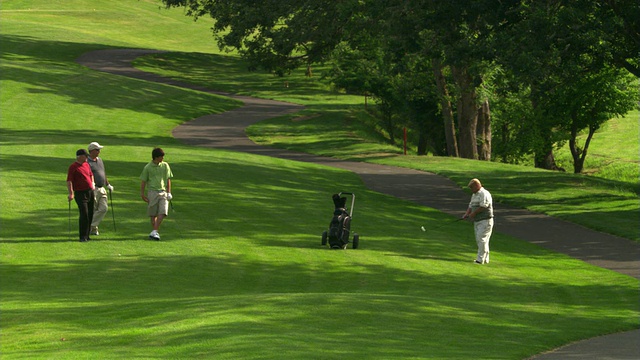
point(80, 176)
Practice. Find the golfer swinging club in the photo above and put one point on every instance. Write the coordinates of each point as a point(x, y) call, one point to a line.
point(480, 210)
point(156, 179)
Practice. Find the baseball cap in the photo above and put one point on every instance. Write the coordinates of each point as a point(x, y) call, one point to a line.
point(95, 146)
point(82, 152)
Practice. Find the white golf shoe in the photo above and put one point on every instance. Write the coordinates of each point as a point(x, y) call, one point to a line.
point(154, 235)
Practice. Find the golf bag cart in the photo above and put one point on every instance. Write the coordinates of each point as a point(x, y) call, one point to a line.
point(340, 226)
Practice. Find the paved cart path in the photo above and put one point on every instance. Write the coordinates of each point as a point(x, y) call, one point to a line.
point(226, 131)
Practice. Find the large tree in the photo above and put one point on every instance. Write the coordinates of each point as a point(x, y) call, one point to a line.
point(285, 34)
point(552, 47)
point(618, 22)
point(543, 45)
point(456, 36)
point(368, 71)
point(279, 35)
point(589, 101)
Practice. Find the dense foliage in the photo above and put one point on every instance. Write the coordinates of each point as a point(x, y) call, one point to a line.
point(534, 73)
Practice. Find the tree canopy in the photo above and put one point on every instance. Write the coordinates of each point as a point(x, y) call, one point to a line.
point(538, 72)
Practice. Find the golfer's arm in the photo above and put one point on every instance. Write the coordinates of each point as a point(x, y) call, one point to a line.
point(143, 185)
point(168, 185)
point(478, 210)
point(70, 187)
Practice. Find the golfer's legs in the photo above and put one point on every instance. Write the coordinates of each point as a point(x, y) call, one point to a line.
point(84, 200)
point(100, 208)
point(158, 208)
point(155, 222)
point(483, 230)
point(90, 207)
point(158, 203)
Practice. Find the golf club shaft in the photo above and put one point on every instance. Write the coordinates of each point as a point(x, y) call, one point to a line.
point(445, 224)
point(69, 232)
point(113, 212)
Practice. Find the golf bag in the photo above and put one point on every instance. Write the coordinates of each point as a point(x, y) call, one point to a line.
point(340, 226)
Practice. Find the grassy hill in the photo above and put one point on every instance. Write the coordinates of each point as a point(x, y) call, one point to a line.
point(338, 125)
point(239, 272)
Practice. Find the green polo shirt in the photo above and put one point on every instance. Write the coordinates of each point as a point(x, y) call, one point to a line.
point(156, 176)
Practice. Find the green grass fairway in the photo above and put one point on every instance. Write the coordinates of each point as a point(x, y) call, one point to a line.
point(239, 273)
point(338, 126)
point(608, 205)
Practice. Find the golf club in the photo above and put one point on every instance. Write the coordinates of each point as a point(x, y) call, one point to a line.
point(113, 211)
point(69, 232)
point(443, 225)
point(171, 205)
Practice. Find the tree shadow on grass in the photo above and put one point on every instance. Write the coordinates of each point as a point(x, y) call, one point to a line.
point(56, 73)
point(231, 75)
point(229, 304)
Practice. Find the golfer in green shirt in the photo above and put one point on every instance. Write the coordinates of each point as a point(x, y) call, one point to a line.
point(156, 180)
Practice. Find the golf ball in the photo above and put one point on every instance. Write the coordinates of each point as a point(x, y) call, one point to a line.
point(423, 229)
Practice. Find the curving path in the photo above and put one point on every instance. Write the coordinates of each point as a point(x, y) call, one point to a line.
point(226, 131)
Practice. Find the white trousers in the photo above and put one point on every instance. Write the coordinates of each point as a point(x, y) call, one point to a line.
point(100, 208)
point(483, 230)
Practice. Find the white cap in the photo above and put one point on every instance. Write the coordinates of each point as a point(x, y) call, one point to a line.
point(95, 146)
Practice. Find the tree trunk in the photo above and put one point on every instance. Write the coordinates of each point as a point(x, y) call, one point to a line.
point(504, 138)
point(422, 143)
point(483, 131)
point(390, 127)
point(386, 121)
point(467, 113)
point(447, 112)
point(546, 160)
point(543, 157)
point(579, 154)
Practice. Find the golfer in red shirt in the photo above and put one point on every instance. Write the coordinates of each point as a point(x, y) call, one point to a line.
point(80, 184)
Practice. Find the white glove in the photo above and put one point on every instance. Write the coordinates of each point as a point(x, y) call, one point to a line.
point(169, 196)
point(109, 187)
